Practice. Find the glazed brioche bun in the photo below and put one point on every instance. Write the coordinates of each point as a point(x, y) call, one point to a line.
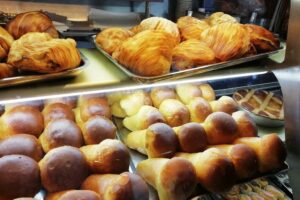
point(73, 195)
point(55, 111)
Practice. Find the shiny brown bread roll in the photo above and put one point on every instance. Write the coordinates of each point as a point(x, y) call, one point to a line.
point(6, 70)
point(39, 52)
point(94, 106)
point(34, 21)
point(126, 186)
point(158, 141)
point(21, 119)
point(191, 27)
point(148, 53)
point(73, 195)
point(220, 128)
point(214, 170)
point(187, 92)
point(199, 109)
point(63, 168)
point(269, 149)
point(191, 53)
point(146, 116)
point(174, 112)
point(110, 38)
point(208, 92)
point(6, 41)
point(172, 178)
point(61, 132)
point(19, 177)
point(224, 104)
point(70, 101)
point(21, 144)
point(57, 111)
point(97, 129)
point(159, 94)
point(192, 137)
point(37, 104)
point(107, 157)
point(243, 158)
point(246, 125)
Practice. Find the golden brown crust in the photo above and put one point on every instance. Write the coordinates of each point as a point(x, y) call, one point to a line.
point(6, 41)
point(161, 141)
point(108, 157)
point(192, 137)
point(37, 104)
point(148, 53)
point(109, 39)
point(21, 144)
point(191, 27)
point(199, 109)
point(175, 112)
point(246, 125)
point(73, 195)
point(57, 111)
point(219, 18)
point(34, 21)
point(6, 70)
point(19, 177)
point(191, 53)
point(39, 52)
point(70, 101)
point(97, 129)
point(187, 92)
point(220, 128)
point(22, 119)
point(208, 92)
point(63, 168)
point(224, 104)
point(94, 106)
point(61, 132)
point(159, 94)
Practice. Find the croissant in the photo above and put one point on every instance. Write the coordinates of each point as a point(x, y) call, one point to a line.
point(39, 52)
point(5, 43)
point(220, 17)
point(262, 39)
point(227, 40)
point(191, 53)
point(159, 23)
point(110, 38)
point(191, 28)
point(148, 53)
point(6, 70)
point(34, 21)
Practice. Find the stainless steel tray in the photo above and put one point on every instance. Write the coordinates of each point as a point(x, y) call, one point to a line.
point(173, 75)
point(30, 78)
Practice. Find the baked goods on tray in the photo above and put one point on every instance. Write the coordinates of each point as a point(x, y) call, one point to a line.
point(5, 42)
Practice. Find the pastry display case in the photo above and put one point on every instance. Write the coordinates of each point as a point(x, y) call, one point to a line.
point(211, 123)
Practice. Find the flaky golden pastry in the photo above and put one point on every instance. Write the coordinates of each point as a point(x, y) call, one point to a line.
point(262, 39)
point(159, 23)
point(6, 70)
point(5, 42)
point(190, 27)
point(191, 53)
point(34, 21)
point(227, 40)
point(110, 38)
point(39, 52)
point(148, 53)
point(219, 18)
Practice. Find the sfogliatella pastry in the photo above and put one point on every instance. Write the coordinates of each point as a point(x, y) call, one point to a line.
point(262, 39)
point(107, 157)
point(161, 24)
point(21, 120)
point(109, 39)
point(61, 132)
point(158, 141)
point(146, 116)
point(57, 111)
point(6, 41)
point(191, 27)
point(199, 109)
point(73, 195)
point(63, 168)
point(208, 92)
point(117, 187)
point(192, 53)
point(148, 53)
point(227, 40)
point(159, 94)
point(174, 112)
point(39, 52)
point(214, 170)
point(187, 92)
point(219, 18)
point(21, 144)
point(19, 177)
point(34, 21)
point(6, 70)
point(172, 178)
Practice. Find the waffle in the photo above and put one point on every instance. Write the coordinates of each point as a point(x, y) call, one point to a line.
point(261, 102)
